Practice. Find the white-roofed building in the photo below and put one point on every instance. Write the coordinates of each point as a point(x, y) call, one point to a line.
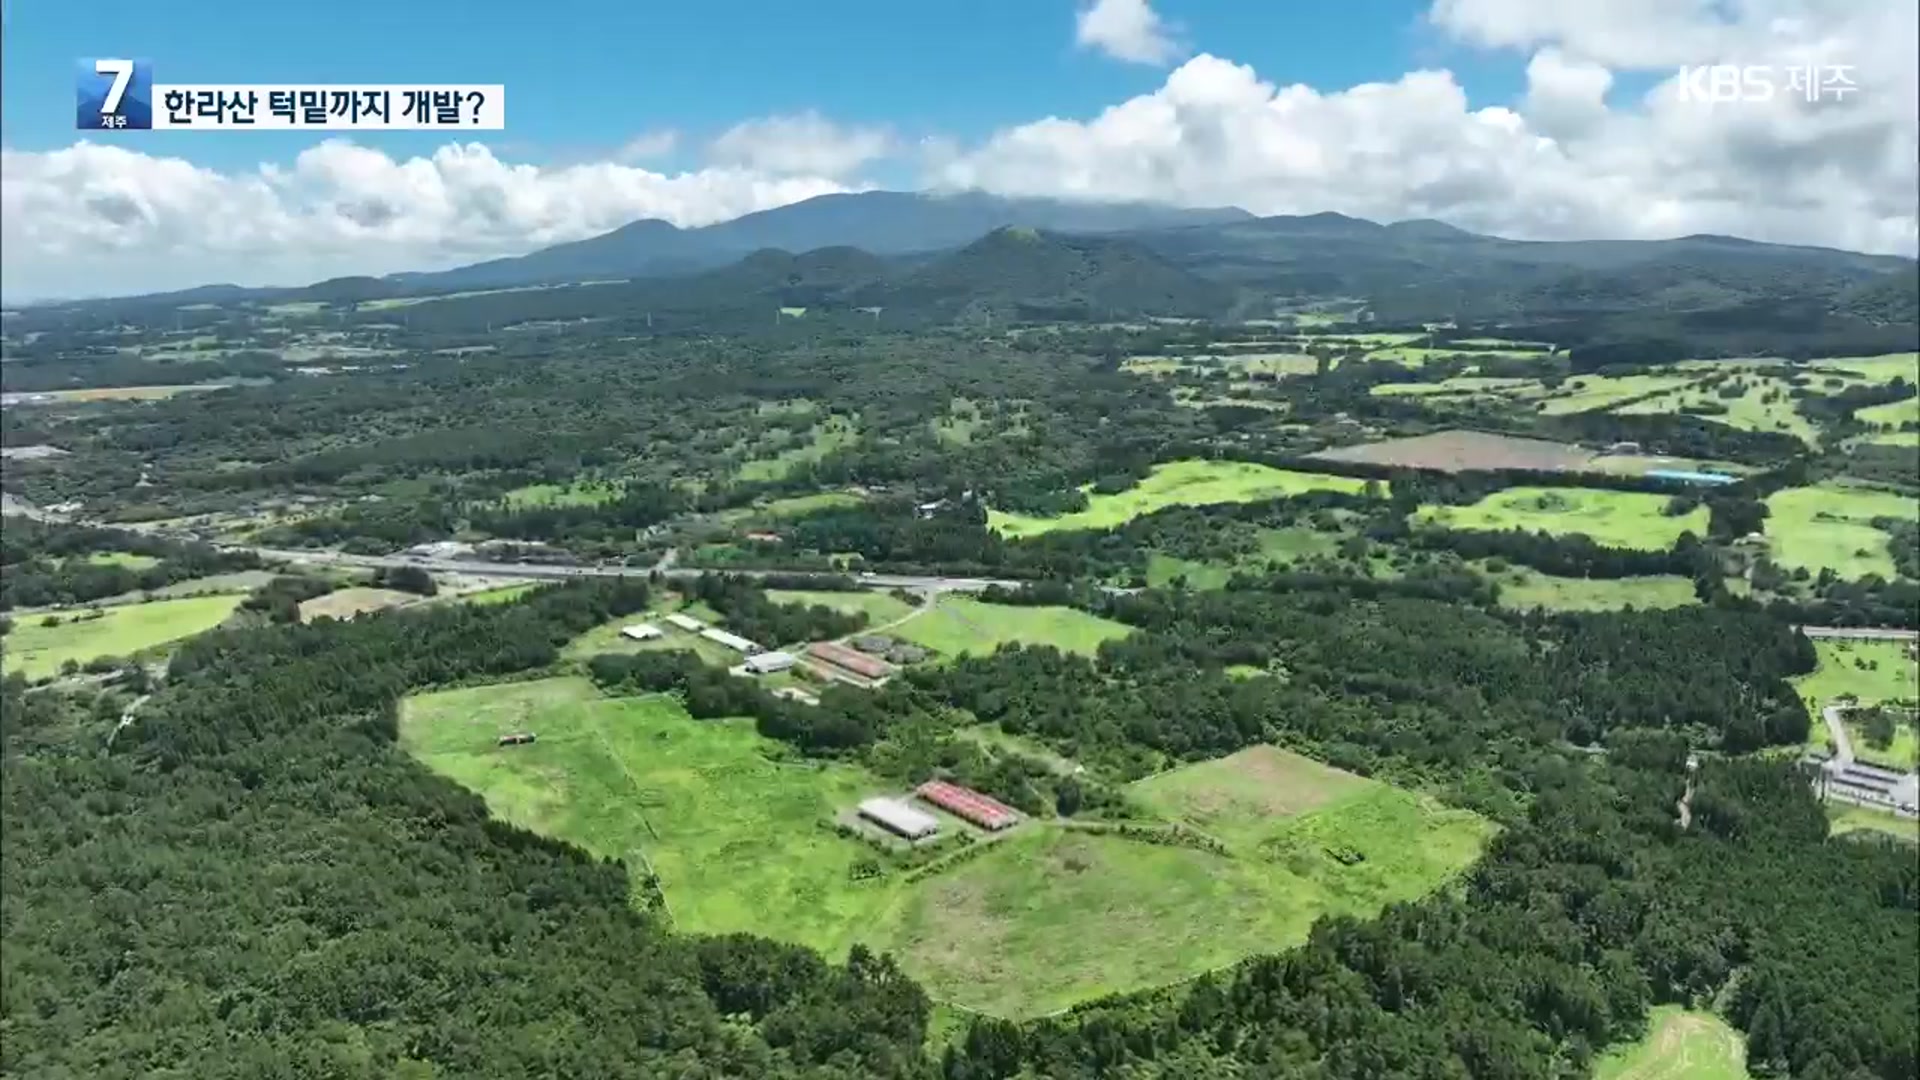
point(641, 632)
point(731, 641)
point(900, 819)
point(686, 622)
point(767, 663)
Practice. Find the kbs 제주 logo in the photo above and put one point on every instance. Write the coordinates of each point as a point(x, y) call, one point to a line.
point(114, 95)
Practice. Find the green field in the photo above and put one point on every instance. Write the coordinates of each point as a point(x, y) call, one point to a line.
point(1179, 483)
point(1889, 675)
point(38, 650)
point(1585, 393)
point(1749, 412)
point(1522, 589)
point(1829, 526)
point(880, 608)
point(347, 603)
point(1276, 545)
point(802, 505)
point(960, 626)
point(1681, 1044)
point(826, 437)
point(580, 493)
point(1624, 519)
point(503, 594)
point(121, 558)
point(1843, 818)
point(1470, 386)
point(733, 833)
point(606, 638)
point(1877, 370)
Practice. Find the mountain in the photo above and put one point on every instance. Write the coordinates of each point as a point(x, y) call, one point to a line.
point(880, 222)
point(1020, 272)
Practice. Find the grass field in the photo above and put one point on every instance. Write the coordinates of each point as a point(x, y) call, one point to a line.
point(121, 558)
point(826, 437)
point(346, 603)
point(37, 650)
point(733, 833)
point(1282, 545)
point(1749, 412)
point(129, 393)
point(802, 505)
point(503, 594)
point(1179, 483)
point(1828, 526)
point(1585, 393)
point(1522, 589)
point(1877, 370)
point(606, 638)
point(1624, 519)
point(959, 626)
point(1471, 386)
point(1843, 818)
point(1681, 1044)
point(586, 493)
point(880, 608)
point(1889, 676)
point(1009, 932)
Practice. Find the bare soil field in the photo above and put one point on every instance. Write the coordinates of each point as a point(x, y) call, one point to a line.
point(1465, 451)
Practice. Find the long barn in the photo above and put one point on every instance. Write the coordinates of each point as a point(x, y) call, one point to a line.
point(969, 805)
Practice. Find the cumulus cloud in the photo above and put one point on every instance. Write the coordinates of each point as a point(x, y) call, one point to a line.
point(94, 219)
point(1127, 30)
point(649, 145)
point(1563, 163)
point(1573, 156)
point(802, 144)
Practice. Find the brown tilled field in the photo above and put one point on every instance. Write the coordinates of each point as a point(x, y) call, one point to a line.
point(1465, 451)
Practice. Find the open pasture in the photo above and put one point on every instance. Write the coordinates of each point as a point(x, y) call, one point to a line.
point(1522, 589)
point(960, 626)
point(1680, 1044)
point(346, 603)
point(607, 638)
point(1830, 526)
point(1874, 672)
point(1178, 483)
point(827, 436)
point(1764, 406)
point(732, 830)
point(1053, 917)
point(1465, 451)
point(578, 493)
point(1623, 519)
point(37, 650)
point(130, 393)
point(1588, 393)
point(880, 608)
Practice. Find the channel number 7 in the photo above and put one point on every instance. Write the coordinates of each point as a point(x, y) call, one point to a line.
point(122, 72)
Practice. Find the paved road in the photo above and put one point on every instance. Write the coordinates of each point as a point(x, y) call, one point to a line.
point(478, 568)
point(1837, 731)
point(1860, 633)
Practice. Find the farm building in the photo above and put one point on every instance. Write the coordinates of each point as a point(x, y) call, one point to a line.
point(969, 805)
point(731, 641)
point(849, 660)
point(519, 738)
point(641, 631)
point(767, 663)
point(900, 819)
point(687, 623)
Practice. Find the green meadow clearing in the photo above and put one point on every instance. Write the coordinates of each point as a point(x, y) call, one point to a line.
point(1623, 519)
point(1522, 589)
point(121, 558)
point(1586, 393)
point(346, 603)
point(1680, 1044)
point(1873, 672)
point(502, 595)
point(1844, 818)
point(1285, 545)
point(880, 608)
point(1750, 412)
point(36, 650)
point(1178, 483)
point(1830, 526)
point(732, 831)
point(827, 436)
point(578, 493)
point(960, 626)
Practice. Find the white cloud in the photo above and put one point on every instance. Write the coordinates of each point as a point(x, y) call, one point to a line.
point(1571, 158)
point(805, 144)
point(649, 145)
point(93, 219)
point(1127, 30)
point(1564, 163)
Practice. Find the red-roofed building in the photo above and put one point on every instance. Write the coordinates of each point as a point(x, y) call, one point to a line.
point(969, 805)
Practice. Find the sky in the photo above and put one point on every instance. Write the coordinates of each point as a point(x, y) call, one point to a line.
point(1539, 119)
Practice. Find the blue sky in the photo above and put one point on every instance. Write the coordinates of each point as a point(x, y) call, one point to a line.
point(584, 76)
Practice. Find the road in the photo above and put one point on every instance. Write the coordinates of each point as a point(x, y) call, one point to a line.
point(1837, 731)
point(1859, 633)
point(479, 568)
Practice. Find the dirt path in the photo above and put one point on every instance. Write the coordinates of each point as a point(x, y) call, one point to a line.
point(1685, 807)
point(1837, 731)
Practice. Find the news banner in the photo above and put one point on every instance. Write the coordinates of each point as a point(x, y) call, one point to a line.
point(117, 94)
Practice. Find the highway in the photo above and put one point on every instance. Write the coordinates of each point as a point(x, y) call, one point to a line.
point(537, 571)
